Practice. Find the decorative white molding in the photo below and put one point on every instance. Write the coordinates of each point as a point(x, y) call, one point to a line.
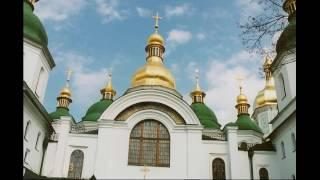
point(151, 95)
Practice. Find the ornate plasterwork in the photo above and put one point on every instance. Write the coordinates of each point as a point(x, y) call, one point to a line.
point(125, 114)
point(151, 95)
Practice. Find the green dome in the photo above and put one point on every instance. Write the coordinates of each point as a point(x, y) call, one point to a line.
point(96, 110)
point(244, 122)
point(32, 26)
point(287, 39)
point(60, 112)
point(206, 116)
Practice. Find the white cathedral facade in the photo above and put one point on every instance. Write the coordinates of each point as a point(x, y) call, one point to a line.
point(150, 131)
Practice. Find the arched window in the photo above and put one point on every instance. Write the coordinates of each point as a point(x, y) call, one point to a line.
point(76, 163)
point(40, 82)
point(283, 150)
point(263, 173)
point(25, 160)
point(293, 139)
point(26, 130)
point(293, 177)
point(282, 87)
point(218, 169)
point(37, 142)
point(149, 144)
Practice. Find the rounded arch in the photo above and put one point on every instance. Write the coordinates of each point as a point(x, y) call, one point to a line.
point(263, 173)
point(76, 164)
point(218, 169)
point(149, 144)
point(151, 95)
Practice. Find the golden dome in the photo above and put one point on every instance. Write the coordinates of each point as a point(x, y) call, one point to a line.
point(242, 99)
point(267, 96)
point(108, 88)
point(155, 38)
point(153, 73)
point(65, 92)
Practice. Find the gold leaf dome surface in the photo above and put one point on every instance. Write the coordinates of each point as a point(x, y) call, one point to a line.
point(153, 73)
point(155, 38)
point(266, 96)
point(65, 92)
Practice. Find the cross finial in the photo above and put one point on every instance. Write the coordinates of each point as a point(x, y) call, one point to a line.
point(197, 79)
point(69, 73)
point(240, 79)
point(156, 18)
point(145, 170)
point(110, 73)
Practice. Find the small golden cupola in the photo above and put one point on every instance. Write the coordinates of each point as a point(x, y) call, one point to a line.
point(108, 92)
point(64, 99)
point(154, 72)
point(197, 94)
point(242, 103)
point(267, 96)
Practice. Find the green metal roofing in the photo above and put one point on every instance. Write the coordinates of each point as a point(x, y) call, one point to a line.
point(287, 39)
point(244, 122)
point(206, 116)
point(60, 111)
point(96, 110)
point(32, 26)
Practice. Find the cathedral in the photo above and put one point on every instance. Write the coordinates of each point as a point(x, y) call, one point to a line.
point(150, 131)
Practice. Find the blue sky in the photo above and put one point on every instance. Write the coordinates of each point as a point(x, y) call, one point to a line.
point(94, 36)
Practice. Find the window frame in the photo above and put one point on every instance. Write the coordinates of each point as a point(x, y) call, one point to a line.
point(283, 86)
point(26, 130)
point(141, 143)
point(26, 153)
point(293, 141)
point(37, 141)
point(213, 166)
point(283, 150)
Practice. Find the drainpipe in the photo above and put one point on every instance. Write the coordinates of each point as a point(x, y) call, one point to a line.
point(250, 154)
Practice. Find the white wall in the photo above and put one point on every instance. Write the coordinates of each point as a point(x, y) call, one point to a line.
point(37, 125)
point(268, 160)
point(33, 61)
point(287, 165)
point(288, 70)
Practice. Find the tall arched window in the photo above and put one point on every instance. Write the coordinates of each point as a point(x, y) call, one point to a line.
point(76, 163)
point(218, 169)
point(26, 130)
point(40, 82)
point(149, 144)
point(293, 139)
point(282, 87)
point(283, 150)
point(263, 173)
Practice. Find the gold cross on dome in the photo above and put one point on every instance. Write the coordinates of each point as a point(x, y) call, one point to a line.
point(156, 18)
point(240, 79)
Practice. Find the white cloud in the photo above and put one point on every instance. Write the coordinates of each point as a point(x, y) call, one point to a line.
point(58, 10)
point(142, 12)
point(223, 87)
point(200, 36)
point(179, 36)
point(177, 10)
point(248, 8)
point(109, 10)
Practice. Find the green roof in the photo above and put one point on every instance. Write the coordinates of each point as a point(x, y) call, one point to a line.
point(96, 110)
point(244, 122)
point(32, 26)
point(287, 39)
point(60, 111)
point(206, 116)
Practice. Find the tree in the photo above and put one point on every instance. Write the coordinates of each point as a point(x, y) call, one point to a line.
point(263, 27)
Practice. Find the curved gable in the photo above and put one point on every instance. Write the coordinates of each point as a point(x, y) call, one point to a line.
point(151, 95)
